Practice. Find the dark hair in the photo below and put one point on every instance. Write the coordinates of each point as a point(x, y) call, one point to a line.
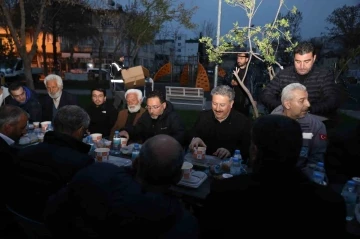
point(160, 161)
point(245, 52)
point(304, 48)
point(15, 86)
point(10, 114)
point(99, 89)
point(70, 118)
point(158, 94)
point(278, 140)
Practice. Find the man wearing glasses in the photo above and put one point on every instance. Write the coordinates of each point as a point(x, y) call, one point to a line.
point(160, 118)
point(26, 99)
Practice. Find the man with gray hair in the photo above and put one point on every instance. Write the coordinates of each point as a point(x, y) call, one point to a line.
point(295, 104)
point(43, 169)
point(222, 130)
point(56, 97)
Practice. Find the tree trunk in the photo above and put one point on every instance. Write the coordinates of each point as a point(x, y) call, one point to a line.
point(27, 72)
point(55, 61)
point(101, 46)
point(43, 46)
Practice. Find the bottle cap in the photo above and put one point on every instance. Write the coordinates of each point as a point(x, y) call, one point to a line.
point(116, 131)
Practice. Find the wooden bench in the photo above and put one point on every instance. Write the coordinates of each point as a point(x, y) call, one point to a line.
point(186, 96)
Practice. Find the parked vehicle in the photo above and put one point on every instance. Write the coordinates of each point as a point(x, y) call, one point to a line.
point(15, 69)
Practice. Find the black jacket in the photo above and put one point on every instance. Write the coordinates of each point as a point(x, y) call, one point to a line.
point(320, 85)
point(43, 169)
point(32, 105)
point(233, 133)
point(102, 118)
point(104, 201)
point(48, 104)
point(168, 123)
point(276, 203)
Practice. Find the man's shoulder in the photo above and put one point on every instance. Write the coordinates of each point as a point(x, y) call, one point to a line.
point(313, 120)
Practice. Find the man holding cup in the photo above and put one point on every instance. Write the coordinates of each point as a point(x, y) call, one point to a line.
point(221, 130)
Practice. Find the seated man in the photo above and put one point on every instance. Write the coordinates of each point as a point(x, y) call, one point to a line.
point(160, 118)
point(276, 199)
point(4, 92)
point(222, 130)
point(56, 97)
point(43, 169)
point(102, 115)
point(26, 99)
point(107, 201)
point(295, 104)
point(128, 117)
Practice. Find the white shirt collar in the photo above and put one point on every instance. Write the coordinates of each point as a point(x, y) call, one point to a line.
point(7, 139)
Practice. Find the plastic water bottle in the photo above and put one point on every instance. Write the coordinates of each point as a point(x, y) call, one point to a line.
point(319, 173)
point(90, 142)
point(116, 143)
point(237, 154)
point(235, 168)
point(49, 128)
point(350, 195)
point(135, 152)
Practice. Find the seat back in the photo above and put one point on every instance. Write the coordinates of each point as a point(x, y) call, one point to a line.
point(33, 229)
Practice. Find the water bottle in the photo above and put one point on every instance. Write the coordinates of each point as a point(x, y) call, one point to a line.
point(90, 142)
point(49, 128)
point(235, 168)
point(350, 195)
point(135, 152)
point(238, 155)
point(319, 173)
point(116, 143)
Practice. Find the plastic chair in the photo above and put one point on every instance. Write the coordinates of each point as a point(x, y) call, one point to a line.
point(32, 228)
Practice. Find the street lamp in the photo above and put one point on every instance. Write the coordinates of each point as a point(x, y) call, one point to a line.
point(217, 43)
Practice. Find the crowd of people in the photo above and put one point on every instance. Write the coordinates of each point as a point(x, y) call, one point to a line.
point(58, 184)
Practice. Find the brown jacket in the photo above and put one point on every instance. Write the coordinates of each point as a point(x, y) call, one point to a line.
point(121, 120)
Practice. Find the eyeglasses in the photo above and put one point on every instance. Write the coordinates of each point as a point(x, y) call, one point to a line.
point(155, 107)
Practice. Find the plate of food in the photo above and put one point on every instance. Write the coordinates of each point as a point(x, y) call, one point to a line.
point(127, 150)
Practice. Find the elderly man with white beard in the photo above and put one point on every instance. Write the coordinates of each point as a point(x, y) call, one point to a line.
point(56, 97)
point(128, 117)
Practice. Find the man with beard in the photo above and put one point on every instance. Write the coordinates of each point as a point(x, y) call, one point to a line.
point(26, 99)
point(128, 117)
point(56, 97)
point(295, 104)
point(102, 114)
point(160, 118)
point(241, 100)
point(320, 83)
point(222, 130)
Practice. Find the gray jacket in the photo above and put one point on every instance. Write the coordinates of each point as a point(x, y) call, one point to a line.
point(314, 147)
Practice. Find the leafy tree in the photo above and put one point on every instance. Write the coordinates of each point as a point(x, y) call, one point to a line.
point(264, 38)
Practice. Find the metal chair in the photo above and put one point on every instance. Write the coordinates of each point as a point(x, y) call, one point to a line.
point(32, 228)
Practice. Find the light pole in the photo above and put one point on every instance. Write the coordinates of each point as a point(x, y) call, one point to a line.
point(217, 43)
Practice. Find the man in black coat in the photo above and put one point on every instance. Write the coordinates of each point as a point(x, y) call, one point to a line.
point(42, 169)
point(160, 118)
point(276, 199)
point(102, 114)
point(320, 83)
point(222, 130)
point(56, 97)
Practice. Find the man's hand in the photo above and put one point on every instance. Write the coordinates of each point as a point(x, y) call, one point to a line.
point(125, 134)
point(196, 142)
point(222, 153)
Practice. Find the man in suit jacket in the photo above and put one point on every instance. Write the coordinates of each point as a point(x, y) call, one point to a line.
point(56, 97)
point(13, 122)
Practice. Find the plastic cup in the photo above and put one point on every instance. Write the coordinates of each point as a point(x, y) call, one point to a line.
point(36, 124)
point(102, 154)
point(123, 141)
point(199, 153)
point(96, 137)
point(108, 144)
point(187, 168)
point(44, 125)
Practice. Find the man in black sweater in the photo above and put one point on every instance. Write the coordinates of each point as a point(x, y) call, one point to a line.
point(320, 83)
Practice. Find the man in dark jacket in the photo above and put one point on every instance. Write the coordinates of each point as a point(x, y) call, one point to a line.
point(276, 199)
point(26, 99)
point(107, 201)
point(251, 81)
point(56, 97)
point(43, 169)
point(102, 114)
point(160, 118)
point(222, 130)
point(320, 83)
